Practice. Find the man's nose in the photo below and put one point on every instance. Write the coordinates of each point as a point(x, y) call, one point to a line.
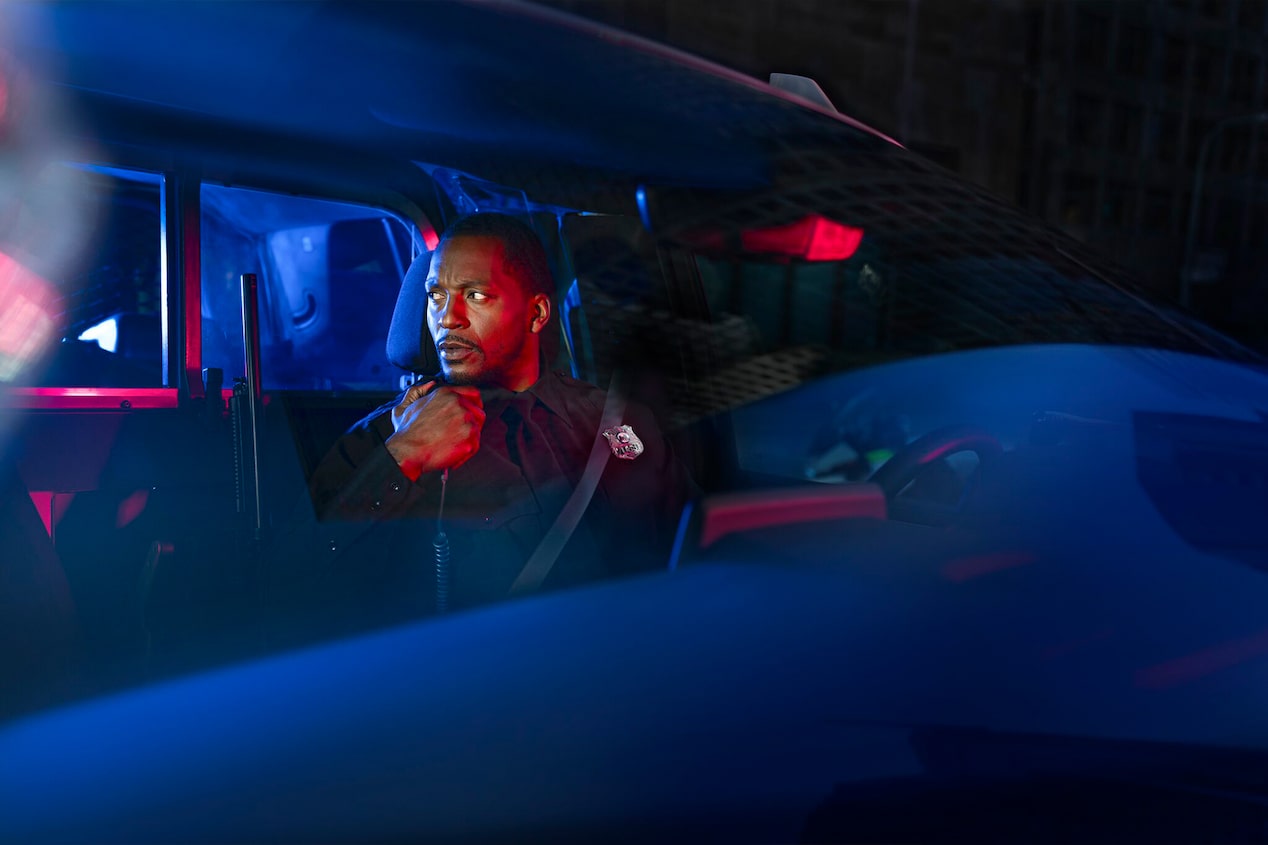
point(453, 315)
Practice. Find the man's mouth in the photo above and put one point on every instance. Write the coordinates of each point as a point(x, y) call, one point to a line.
point(453, 351)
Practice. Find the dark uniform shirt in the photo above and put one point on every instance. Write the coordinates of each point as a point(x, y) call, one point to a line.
point(499, 505)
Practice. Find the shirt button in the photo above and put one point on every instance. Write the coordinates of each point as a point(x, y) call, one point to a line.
point(375, 505)
point(396, 486)
point(334, 547)
point(487, 520)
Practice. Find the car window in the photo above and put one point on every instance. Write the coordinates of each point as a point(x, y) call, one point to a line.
point(110, 308)
point(808, 287)
point(618, 297)
point(787, 322)
point(328, 274)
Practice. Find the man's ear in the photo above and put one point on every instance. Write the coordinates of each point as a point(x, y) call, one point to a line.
point(539, 313)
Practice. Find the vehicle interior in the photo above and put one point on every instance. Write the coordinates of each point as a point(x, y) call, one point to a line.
point(166, 437)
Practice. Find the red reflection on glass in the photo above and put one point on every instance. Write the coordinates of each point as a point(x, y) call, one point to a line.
point(43, 501)
point(732, 513)
point(26, 316)
point(967, 568)
point(132, 507)
point(1193, 667)
point(814, 238)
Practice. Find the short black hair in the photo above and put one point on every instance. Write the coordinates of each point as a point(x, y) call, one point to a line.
point(523, 250)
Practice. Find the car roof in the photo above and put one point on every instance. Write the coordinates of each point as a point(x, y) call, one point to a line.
point(511, 92)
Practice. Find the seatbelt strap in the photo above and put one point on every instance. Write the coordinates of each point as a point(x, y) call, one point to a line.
point(543, 559)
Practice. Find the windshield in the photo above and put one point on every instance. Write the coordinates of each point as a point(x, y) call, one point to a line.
point(824, 325)
point(766, 290)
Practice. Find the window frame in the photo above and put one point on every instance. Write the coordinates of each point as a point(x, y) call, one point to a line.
point(180, 214)
point(91, 398)
point(422, 235)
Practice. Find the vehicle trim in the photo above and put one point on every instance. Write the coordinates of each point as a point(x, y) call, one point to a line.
point(188, 194)
point(90, 398)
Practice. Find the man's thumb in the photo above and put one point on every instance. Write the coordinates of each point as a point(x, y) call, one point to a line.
point(417, 391)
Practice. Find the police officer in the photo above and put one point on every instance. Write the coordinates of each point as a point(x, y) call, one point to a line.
point(501, 440)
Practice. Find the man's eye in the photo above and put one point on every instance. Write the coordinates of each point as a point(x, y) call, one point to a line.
point(477, 295)
point(435, 295)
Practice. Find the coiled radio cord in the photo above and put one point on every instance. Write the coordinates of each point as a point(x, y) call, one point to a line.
point(440, 545)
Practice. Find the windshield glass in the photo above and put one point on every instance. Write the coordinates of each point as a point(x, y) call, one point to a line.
point(767, 290)
point(829, 325)
point(914, 265)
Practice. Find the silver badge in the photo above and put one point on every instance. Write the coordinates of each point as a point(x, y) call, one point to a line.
point(624, 442)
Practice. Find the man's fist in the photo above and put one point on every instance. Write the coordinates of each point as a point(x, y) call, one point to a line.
point(435, 429)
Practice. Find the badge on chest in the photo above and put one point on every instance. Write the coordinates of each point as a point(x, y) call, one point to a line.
point(624, 442)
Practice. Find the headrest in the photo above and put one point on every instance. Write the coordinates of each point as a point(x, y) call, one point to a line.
point(409, 344)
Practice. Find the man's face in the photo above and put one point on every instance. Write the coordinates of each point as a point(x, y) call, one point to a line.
point(481, 317)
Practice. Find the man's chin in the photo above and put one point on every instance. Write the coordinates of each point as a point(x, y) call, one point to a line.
point(460, 376)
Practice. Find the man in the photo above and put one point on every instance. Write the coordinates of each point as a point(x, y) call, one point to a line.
point(500, 440)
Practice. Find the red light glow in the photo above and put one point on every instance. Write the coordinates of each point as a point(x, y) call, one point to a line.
point(814, 238)
point(1193, 667)
point(43, 501)
point(734, 513)
point(26, 321)
point(967, 568)
point(89, 398)
point(132, 507)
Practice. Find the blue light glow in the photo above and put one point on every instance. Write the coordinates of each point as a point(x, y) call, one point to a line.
point(640, 196)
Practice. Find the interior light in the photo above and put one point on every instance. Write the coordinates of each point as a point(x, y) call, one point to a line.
point(106, 333)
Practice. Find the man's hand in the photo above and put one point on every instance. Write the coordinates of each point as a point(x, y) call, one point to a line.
point(435, 430)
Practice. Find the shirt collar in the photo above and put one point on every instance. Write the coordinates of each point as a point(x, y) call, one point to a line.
point(547, 390)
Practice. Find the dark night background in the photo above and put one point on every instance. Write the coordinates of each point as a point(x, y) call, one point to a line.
point(1087, 113)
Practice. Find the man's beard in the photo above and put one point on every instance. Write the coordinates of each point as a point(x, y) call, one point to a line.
point(480, 379)
point(486, 376)
point(483, 377)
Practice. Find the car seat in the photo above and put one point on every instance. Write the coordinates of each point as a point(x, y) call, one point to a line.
point(409, 344)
